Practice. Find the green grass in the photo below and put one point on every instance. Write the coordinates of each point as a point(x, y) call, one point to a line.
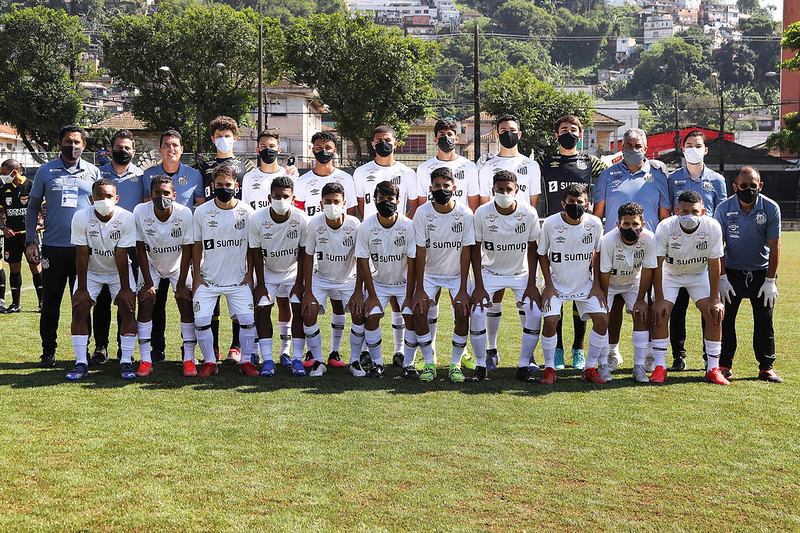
point(234, 453)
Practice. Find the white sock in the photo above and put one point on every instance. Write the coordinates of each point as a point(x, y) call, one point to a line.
point(660, 351)
point(127, 343)
point(314, 341)
point(549, 350)
point(398, 329)
point(189, 340)
point(530, 334)
point(602, 359)
point(477, 335)
point(298, 348)
point(613, 349)
point(356, 341)
point(459, 345)
point(247, 336)
point(286, 337)
point(266, 348)
point(79, 344)
point(433, 323)
point(337, 331)
point(373, 339)
point(145, 330)
point(409, 348)
point(597, 343)
point(426, 347)
point(640, 339)
point(493, 316)
point(713, 349)
point(205, 339)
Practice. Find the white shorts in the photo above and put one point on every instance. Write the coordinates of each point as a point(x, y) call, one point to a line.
point(493, 283)
point(323, 290)
point(432, 284)
point(695, 284)
point(385, 293)
point(629, 295)
point(238, 297)
point(95, 282)
point(584, 306)
point(156, 276)
point(279, 284)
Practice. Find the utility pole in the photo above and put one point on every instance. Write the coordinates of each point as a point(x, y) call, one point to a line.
point(677, 129)
point(260, 76)
point(721, 131)
point(477, 90)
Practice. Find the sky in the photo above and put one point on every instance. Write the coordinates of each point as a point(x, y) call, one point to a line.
point(778, 14)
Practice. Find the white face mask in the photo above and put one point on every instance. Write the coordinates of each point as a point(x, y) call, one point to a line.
point(694, 155)
point(690, 221)
point(333, 211)
point(224, 144)
point(281, 206)
point(104, 207)
point(504, 201)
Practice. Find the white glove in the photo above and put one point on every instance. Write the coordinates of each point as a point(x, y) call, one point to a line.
point(770, 291)
point(725, 289)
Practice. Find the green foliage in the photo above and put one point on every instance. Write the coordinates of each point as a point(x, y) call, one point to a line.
point(537, 104)
point(39, 69)
point(791, 41)
point(286, 10)
point(212, 54)
point(367, 74)
point(582, 52)
point(668, 66)
point(788, 138)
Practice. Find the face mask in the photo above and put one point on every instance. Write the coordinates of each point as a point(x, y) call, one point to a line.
point(442, 196)
point(121, 157)
point(630, 234)
point(162, 203)
point(509, 139)
point(268, 155)
point(323, 157)
point(504, 201)
point(694, 155)
point(104, 207)
point(384, 148)
point(224, 144)
point(632, 157)
point(446, 144)
point(386, 208)
point(282, 206)
point(225, 194)
point(689, 222)
point(575, 211)
point(568, 140)
point(748, 195)
point(71, 153)
point(333, 211)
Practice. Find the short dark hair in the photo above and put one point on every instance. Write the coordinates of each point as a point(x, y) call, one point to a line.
point(123, 134)
point(444, 124)
point(575, 189)
point(325, 136)
point(102, 182)
point(691, 197)
point(333, 187)
point(444, 173)
point(223, 123)
point(504, 175)
point(747, 171)
point(506, 118)
point(569, 119)
point(694, 133)
point(12, 165)
point(223, 170)
point(282, 182)
point(630, 209)
point(384, 129)
point(267, 133)
point(159, 179)
point(72, 128)
point(387, 188)
point(170, 133)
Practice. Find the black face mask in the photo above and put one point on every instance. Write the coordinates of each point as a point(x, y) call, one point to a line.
point(442, 196)
point(575, 211)
point(568, 140)
point(509, 139)
point(162, 203)
point(225, 194)
point(748, 195)
point(121, 157)
point(268, 155)
point(323, 157)
point(446, 144)
point(630, 234)
point(384, 148)
point(386, 208)
point(71, 153)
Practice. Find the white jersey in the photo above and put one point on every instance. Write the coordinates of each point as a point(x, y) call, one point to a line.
point(529, 176)
point(688, 253)
point(333, 249)
point(570, 250)
point(223, 233)
point(163, 241)
point(308, 190)
point(465, 177)
point(625, 261)
point(256, 187)
point(388, 248)
point(279, 242)
point(103, 238)
point(443, 235)
point(505, 238)
point(366, 177)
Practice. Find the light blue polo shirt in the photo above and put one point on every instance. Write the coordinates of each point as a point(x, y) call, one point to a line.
point(50, 180)
point(710, 185)
point(129, 185)
point(746, 234)
point(188, 183)
point(647, 187)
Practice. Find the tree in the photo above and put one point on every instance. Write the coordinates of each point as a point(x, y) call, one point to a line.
point(39, 73)
point(366, 74)
point(788, 138)
point(211, 52)
point(537, 104)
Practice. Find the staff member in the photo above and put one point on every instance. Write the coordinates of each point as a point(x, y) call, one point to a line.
point(751, 228)
point(66, 184)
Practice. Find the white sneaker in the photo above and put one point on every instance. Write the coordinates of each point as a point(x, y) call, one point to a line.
point(318, 369)
point(650, 362)
point(604, 372)
point(614, 360)
point(640, 375)
point(355, 369)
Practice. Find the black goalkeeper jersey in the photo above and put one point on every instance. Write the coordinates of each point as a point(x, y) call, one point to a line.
point(15, 203)
point(560, 171)
point(240, 166)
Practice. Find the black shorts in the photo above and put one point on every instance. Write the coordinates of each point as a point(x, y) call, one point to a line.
point(15, 249)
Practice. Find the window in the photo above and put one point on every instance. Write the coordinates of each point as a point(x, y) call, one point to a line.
point(413, 144)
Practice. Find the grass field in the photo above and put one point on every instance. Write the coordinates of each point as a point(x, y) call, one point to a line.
point(336, 453)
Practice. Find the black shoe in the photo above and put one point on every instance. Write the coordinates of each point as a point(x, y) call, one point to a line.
point(99, 357)
point(769, 376)
point(158, 356)
point(375, 371)
point(410, 372)
point(13, 308)
point(524, 374)
point(479, 374)
point(678, 365)
point(397, 359)
point(47, 360)
point(365, 360)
